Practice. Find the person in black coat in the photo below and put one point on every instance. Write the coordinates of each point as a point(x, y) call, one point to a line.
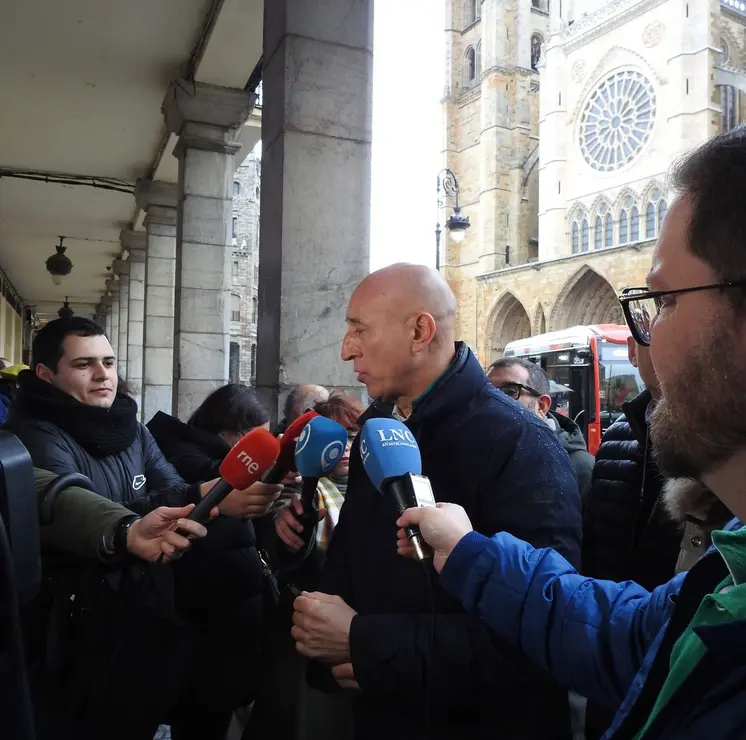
point(628, 534)
point(221, 582)
point(370, 629)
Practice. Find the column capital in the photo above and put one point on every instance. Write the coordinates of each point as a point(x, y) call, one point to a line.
point(112, 286)
point(121, 268)
point(156, 193)
point(209, 105)
point(160, 215)
point(138, 255)
point(133, 240)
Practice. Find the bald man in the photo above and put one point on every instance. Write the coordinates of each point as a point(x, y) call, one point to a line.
point(504, 465)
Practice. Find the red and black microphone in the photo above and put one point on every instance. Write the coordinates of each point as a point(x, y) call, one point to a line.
point(244, 465)
point(286, 459)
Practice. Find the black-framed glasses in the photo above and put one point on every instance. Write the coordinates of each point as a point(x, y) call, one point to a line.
point(641, 306)
point(514, 390)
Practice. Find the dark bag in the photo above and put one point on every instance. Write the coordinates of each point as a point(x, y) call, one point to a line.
point(109, 655)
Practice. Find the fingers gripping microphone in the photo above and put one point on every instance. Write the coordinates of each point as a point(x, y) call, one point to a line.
point(244, 465)
point(319, 449)
point(391, 459)
point(287, 448)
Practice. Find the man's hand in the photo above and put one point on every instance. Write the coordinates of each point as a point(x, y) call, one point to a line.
point(291, 479)
point(344, 674)
point(251, 503)
point(288, 527)
point(321, 627)
point(442, 526)
point(153, 535)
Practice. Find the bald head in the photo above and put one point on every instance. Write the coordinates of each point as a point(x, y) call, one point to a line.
point(301, 398)
point(404, 290)
point(400, 330)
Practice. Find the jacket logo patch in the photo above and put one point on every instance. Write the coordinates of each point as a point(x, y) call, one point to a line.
point(138, 482)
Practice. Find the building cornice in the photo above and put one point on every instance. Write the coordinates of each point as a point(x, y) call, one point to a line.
point(602, 21)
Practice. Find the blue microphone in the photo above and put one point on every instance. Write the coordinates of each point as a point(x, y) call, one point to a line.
point(391, 458)
point(318, 450)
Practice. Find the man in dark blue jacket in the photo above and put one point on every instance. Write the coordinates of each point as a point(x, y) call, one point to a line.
point(372, 624)
point(673, 658)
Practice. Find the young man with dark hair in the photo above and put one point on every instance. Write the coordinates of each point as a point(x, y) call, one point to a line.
point(526, 382)
point(672, 660)
point(71, 418)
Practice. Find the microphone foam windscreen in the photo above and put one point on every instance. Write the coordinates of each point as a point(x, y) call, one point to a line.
point(388, 450)
point(250, 458)
point(320, 447)
point(290, 437)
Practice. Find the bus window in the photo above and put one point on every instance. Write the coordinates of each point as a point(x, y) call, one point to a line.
point(619, 382)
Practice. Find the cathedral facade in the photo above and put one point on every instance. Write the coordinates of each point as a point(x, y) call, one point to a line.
point(562, 119)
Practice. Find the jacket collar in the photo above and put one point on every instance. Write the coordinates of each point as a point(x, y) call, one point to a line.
point(455, 387)
point(635, 411)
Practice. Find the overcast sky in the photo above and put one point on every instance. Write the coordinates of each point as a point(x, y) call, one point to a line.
point(407, 88)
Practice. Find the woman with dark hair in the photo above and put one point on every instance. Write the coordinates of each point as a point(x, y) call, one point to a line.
point(287, 707)
point(219, 583)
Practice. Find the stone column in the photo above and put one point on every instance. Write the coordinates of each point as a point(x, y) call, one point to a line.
point(315, 217)
point(159, 201)
point(112, 331)
point(135, 243)
point(122, 269)
point(206, 118)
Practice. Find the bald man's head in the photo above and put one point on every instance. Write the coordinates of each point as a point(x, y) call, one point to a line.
point(400, 326)
point(302, 398)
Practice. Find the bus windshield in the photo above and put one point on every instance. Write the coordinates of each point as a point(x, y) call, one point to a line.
point(619, 381)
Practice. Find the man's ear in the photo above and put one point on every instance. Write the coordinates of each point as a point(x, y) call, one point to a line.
point(632, 351)
point(543, 404)
point(44, 373)
point(424, 328)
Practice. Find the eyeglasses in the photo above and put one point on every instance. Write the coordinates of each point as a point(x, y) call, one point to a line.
point(641, 306)
point(514, 390)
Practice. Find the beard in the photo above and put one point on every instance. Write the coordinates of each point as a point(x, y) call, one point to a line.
point(700, 421)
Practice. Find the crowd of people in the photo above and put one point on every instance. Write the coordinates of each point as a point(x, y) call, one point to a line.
point(568, 597)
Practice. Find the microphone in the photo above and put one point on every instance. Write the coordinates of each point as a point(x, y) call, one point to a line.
point(243, 465)
point(319, 449)
point(391, 458)
point(287, 448)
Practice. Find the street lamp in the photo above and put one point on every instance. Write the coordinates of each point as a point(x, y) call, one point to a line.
point(456, 223)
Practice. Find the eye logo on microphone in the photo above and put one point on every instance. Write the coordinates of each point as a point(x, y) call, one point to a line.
point(332, 454)
point(302, 442)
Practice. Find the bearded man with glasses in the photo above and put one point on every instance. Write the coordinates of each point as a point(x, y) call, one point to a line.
point(673, 661)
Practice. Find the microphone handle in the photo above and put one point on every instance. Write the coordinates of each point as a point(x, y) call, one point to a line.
point(403, 493)
point(276, 473)
point(310, 516)
point(201, 512)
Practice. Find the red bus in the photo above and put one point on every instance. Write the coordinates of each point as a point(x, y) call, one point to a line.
point(591, 373)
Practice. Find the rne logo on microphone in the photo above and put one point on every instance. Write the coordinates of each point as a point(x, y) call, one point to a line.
point(248, 461)
point(396, 438)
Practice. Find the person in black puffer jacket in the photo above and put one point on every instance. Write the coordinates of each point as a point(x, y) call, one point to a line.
point(628, 533)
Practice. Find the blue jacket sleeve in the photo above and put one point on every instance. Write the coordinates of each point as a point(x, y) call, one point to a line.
point(591, 635)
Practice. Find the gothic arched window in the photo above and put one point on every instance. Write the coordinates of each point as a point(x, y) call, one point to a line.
point(635, 225)
point(575, 238)
point(655, 210)
point(584, 235)
point(470, 67)
point(536, 42)
point(609, 231)
point(598, 233)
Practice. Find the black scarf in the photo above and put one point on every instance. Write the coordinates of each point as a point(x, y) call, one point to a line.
point(100, 432)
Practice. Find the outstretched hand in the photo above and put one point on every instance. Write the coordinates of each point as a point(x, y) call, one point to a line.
point(442, 527)
point(164, 534)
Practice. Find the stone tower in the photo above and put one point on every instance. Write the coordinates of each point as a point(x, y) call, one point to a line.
point(491, 107)
point(622, 89)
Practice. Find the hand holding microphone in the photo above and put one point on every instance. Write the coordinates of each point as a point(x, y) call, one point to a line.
point(442, 527)
point(285, 458)
point(391, 459)
point(240, 471)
